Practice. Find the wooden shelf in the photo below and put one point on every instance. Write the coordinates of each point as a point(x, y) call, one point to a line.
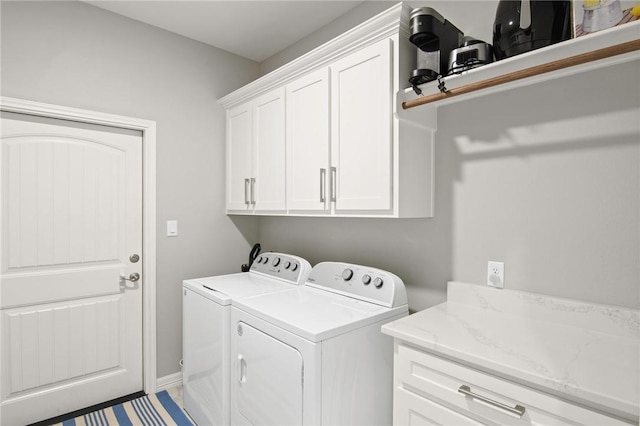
point(602, 49)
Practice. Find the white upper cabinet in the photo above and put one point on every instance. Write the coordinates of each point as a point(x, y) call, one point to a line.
point(269, 160)
point(361, 123)
point(333, 109)
point(308, 143)
point(256, 155)
point(239, 157)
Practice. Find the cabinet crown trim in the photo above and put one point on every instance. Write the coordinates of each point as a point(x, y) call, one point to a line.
point(386, 24)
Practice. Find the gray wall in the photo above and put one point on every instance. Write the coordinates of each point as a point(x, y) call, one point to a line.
point(76, 55)
point(545, 179)
point(344, 23)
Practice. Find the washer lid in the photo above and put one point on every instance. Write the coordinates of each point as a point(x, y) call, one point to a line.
point(223, 288)
point(315, 314)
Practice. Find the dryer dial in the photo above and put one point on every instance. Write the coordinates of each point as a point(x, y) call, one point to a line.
point(378, 282)
point(347, 274)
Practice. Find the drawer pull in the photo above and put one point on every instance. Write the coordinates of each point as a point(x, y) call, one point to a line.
point(518, 410)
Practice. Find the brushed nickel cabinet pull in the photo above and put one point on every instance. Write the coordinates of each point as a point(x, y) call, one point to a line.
point(323, 191)
point(334, 171)
point(518, 410)
point(253, 190)
point(246, 191)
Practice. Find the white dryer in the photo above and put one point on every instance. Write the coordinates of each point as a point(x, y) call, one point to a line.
point(314, 354)
point(206, 329)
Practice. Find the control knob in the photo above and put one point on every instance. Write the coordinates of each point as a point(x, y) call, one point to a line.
point(366, 279)
point(378, 282)
point(276, 261)
point(287, 264)
point(347, 274)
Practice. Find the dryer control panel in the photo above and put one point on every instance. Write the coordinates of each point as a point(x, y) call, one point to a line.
point(286, 267)
point(360, 282)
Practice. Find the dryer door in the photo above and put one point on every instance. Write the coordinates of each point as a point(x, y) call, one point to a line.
point(269, 374)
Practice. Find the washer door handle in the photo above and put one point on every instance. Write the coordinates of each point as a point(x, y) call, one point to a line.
point(242, 369)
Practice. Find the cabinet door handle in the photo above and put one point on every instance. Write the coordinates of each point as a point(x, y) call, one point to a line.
point(518, 410)
point(334, 172)
point(253, 191)
point(246, 191)
point(323, 190)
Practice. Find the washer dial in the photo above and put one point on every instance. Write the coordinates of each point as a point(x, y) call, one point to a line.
point(378, 282)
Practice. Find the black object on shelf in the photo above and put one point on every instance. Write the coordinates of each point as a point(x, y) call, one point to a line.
point(524, 25)
point(435, 38)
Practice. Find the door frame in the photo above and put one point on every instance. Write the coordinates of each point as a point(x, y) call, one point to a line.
point(148, 129)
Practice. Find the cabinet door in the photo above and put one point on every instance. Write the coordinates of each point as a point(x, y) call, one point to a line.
point(308, 142)
point(361, 146)
point(268, 189)
point(239, 157)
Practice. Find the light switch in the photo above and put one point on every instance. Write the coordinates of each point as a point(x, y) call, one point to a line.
point(172, 228)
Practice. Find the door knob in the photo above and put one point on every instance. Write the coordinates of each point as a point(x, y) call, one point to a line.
point(133, 277)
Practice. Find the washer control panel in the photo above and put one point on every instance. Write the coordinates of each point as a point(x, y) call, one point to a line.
point(360, 282)
point(286, 267)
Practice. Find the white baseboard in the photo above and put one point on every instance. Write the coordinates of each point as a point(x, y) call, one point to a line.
point(168, 382)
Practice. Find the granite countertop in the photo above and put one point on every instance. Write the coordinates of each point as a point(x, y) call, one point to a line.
point(584, 352)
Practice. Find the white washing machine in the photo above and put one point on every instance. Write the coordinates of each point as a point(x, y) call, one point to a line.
point(314, 354)
point(206, 329)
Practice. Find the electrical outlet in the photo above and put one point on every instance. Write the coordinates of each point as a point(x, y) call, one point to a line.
point(495, 274)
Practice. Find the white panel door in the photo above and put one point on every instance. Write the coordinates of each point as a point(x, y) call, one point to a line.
point(269, 374)
point(239, 157)
point(269, 162)
point(361, 145)
point(308, 142)
point(71, 205)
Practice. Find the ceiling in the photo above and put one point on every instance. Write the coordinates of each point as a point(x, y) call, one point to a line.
point(253, 29)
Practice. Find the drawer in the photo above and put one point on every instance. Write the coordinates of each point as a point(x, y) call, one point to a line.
point(439, 380)
point(410, 409)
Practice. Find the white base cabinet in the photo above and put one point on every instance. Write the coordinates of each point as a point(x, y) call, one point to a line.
point(428, 390)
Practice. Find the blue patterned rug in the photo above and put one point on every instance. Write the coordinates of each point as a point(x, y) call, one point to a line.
point(150, 410)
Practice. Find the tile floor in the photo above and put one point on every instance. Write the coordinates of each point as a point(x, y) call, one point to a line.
point(176, 393)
